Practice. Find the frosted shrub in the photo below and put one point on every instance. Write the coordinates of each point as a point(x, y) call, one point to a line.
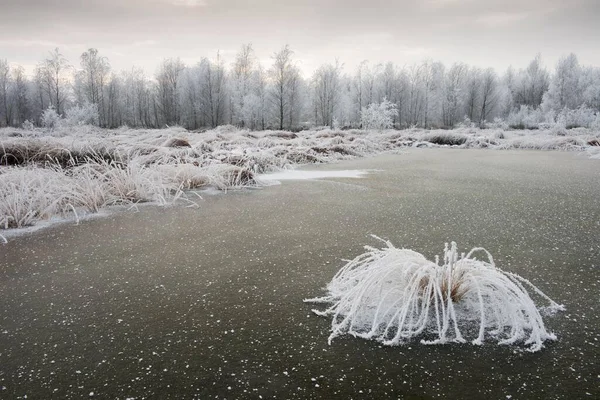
point(378, 116)
point(526, 118)
point(86, 114)
point(596, 123)
point(558, 128)
point(394, 295)
point(581, 117)
point(498, 123)
point(50, 118)
point(465, 123)
point(335, 125)
point(28, 125)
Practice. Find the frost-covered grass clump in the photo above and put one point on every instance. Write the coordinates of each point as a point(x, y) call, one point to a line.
point(394, 295)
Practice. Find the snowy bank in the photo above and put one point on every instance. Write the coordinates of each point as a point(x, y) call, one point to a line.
point(83, 169)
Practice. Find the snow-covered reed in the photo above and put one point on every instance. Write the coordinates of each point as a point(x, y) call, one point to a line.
point(394, 295)
point(29, 194)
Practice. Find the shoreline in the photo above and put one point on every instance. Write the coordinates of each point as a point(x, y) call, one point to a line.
point(223, 159)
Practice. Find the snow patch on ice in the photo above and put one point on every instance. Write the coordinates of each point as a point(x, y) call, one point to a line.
point(296, 175)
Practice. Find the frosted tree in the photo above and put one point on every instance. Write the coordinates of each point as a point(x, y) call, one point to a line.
point(387, 82)
point(93, 78)
point(489, 95)
point(54, 73)
point(435, 89)
point(209, 94)
point(427, 77)
point(327, 90)
point(295, 97)
point(452, 99)
point(590, 82)
point(509, 82)
point(564, 90)
point(213, 91)
point(281, 74)
point(189, 98)
point(39, 94)
point(135, 98)
point(402, 99)
point(5, 103)
point(415, 95)
point(167, 78)
point(114, 102)
point(357, 86)
point(531, 84)
point(241, 83)
point(19, 95)
point(259, 99)
point(472, 92)
point(346, 109)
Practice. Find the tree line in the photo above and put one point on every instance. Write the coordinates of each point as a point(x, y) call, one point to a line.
point(249, 95)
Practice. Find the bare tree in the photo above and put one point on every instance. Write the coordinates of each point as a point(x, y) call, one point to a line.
point(261, 95)
point(54, 72)
point(452, 94)
point(489, 95)
point(326, 86)
point(358, 86)
point(472, 93)
point(167, 78)
point(294, 96)
point(94, 78)
point(19, 95)
point(113, 105)
point(281, 74)
point(415, 94)
point(242, 73)
point(5, 103)
point(213, 90)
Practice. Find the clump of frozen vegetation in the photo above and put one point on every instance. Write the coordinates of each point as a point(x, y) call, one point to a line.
point(394, 295)
point(27, 195)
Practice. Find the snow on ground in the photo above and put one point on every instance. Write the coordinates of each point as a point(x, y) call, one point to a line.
point(72, 172)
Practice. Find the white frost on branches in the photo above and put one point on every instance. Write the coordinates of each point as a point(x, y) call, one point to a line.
point(378, 115)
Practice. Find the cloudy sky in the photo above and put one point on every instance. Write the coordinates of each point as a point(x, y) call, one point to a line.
point(495, 33)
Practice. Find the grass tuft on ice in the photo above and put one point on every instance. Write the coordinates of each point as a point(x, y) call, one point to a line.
point(395, 295)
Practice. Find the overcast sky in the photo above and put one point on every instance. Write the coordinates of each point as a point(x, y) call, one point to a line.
point(494, 33)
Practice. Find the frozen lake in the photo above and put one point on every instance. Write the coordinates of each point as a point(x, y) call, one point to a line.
point(207, 303)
